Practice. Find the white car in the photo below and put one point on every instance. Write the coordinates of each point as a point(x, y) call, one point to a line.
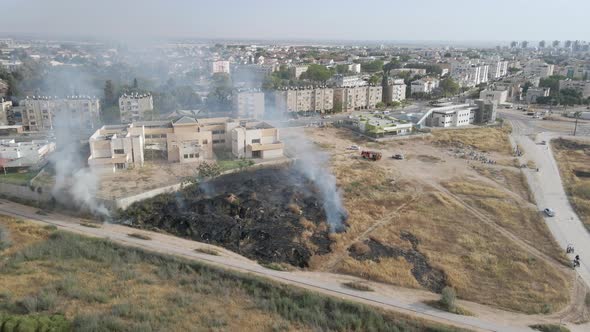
point(549, 212)
point(353, 148)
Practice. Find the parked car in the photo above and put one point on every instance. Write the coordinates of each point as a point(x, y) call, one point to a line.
point(353, 148)
point(398, 156)
point(549, 212)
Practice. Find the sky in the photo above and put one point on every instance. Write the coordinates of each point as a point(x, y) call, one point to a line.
point(386, 20)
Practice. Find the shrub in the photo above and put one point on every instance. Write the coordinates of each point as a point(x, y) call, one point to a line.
point(549, 328)
point(448, 299)
point(5, 241)
point(139, 236)
point(34, 323)
point(358, 286)
point(208, 251)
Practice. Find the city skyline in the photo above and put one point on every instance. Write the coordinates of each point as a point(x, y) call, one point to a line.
point(379, 20)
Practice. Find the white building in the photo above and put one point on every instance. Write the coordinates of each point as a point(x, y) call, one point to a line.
point(136, 107)
point(451, 116)
point(497, 69)
point(24, 154)
point(533, 93)
point(6, 115)
point(347, 81)
point(249, 104)
point(298, 70)
point(424, 85)
point(499, 96)
point(468, 73)
point(45, 113)
point(394, 91)
point(354, 68)
point(220, 66)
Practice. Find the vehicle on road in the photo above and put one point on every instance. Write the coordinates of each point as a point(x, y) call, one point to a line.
point(549, 212)
point(353, 148)
point(398, 156)
point(543, 142)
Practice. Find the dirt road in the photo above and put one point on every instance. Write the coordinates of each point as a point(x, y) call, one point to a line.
point(387, 297)
point(548, 191)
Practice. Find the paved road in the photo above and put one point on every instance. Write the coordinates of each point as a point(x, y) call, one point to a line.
point(548, 190)
point(386, 297)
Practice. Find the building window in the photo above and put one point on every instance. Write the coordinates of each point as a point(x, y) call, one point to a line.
point(256, 141)
point(120, 165)
point(192, 155)
point(205, 142)
point(218, 132)
point(119, 151)
point(186, 156)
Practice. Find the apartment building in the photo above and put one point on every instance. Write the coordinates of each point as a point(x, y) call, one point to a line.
point(340, 81)
point(46, 113)
point(308, 99)
point(581, 86)
point(24, 154)
point(354, 68)
point(412, 71)
point(533, 93)
point(497, 69)
point(185, 140)
point(249, 104)
point(468, 73)
point(298, 70)
point(538, 68)
point(424, 85)
point(358, 98)
point(6, 113)
point(485, 113)
point(136, 107)
point(499, 96)
point(395, 90)
point(219, 66)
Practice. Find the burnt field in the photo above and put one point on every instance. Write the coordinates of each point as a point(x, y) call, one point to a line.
point(269, 215)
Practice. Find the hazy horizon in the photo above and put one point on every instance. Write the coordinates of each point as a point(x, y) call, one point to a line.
point(431, 21)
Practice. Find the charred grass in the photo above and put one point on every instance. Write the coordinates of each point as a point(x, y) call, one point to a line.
point(573, 159)
point(97, 285)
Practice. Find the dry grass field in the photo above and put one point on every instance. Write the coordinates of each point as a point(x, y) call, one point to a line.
point(573, 159)
point(95, 285)
point(411, 222)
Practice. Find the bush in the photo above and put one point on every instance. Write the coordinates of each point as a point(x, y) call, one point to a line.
point(5, 241)
point(13, 323)
point(139, 236)
point(448, 299)
point(549, 328)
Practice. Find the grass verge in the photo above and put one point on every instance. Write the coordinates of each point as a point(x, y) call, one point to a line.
point(357, 285)
point(549, 328)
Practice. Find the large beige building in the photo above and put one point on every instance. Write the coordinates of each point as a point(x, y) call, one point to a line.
point(358, 98)
point(45, 113)
point(136, 107)
point(6, 115)
point(184, 140)
point(310, 99)
point(249, 104)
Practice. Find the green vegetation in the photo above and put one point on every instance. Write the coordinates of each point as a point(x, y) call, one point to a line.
point(449, 87)
point(208, 251)
point(101, 286)
point(139, 236)
point(317, 73)
point(448, 303)
point(17, 178)
point(241, 164)
point(372, 67)
point(18, 323)
point(5, 240)
point(549, 328)
point(356, 285)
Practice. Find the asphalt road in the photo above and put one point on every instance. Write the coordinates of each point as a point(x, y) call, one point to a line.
point(547, 188)
point(385, 297)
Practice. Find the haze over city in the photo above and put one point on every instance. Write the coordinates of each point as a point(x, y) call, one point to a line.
point(429, 20)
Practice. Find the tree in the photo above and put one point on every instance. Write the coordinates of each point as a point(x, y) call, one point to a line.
point(513, 44)
point(373, 66)
point(526, 87)
point(448, 299)
point(135, 84)
point(513, 70)
point(448, 55)
point(342, 69)
point(577, 115)
point(317, 73)
point(542, 44)
point(524, 44)
point(555, 43)
point(568, 44)
point(380, 105)
point(337, 108)
point(109, 93)
point(449, 87)
point(375, 78)
point(551, 82)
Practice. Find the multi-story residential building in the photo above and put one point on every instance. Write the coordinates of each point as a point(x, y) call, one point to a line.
point(581, 86)
point(308, 99)
point(533, 93)
point(6, 113)
point(340, 80)
point(219, 66)
point(136, 107)
point(298, 70)
point(354, 68)
point(538, 68)
point(46, 113)
point(249, 104)
point(485, 113)
point(468, 73)
point(395, 90)
point(499, 96)
point(184, 140)
point(358, 98)
point(497, 69)
point(424, 85)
